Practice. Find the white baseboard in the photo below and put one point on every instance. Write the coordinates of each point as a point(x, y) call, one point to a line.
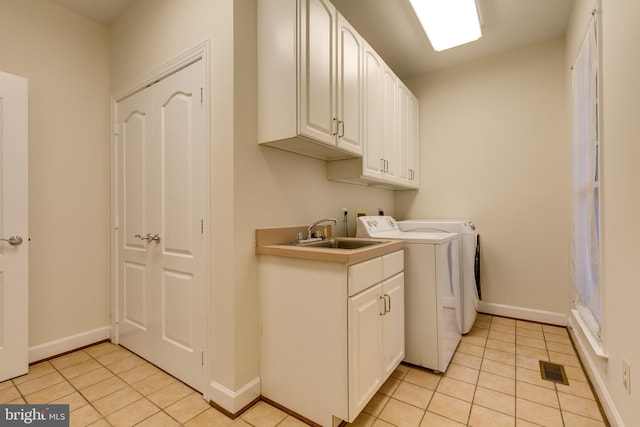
point(62, 345)
point(233, 401)
point(590, 361)
point(522, 313)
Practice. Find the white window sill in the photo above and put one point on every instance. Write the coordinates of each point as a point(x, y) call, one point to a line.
point(594, 342)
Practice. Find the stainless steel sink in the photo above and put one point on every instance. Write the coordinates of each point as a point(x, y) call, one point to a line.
point(339, 244)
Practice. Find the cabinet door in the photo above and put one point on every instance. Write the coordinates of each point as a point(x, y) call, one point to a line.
point(389, 123)
point(317, 91)
point(366, 311)
point(349, 80)
point(404, 133)
point(372, 113)
point(393, 324)
point(408, 137)
point(414, 140)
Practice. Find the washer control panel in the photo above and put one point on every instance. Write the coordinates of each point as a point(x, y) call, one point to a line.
point(372, 226)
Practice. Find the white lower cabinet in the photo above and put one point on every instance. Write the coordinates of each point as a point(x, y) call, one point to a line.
point(330, 333)
point(375, 345)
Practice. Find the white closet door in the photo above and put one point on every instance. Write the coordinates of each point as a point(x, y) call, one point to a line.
point(135, 266)
point(163, 187)
point(181, 191)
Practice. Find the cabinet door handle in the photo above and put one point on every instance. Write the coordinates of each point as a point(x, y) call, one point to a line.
point(384, 306)
point(340, 128)
point(387, 298)
point(384, 165)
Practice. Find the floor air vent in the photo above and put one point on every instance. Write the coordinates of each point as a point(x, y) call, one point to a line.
point(552, 372)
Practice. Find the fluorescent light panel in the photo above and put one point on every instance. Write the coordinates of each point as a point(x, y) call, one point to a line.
point(448, 23)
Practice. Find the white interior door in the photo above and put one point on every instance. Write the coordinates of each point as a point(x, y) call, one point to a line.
point(14, 252)
point(135, 269)
point(162, 203)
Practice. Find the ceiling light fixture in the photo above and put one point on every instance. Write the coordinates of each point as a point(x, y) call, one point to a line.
point(448, 23)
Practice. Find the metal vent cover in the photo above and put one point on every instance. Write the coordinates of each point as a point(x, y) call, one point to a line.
point(553, 372)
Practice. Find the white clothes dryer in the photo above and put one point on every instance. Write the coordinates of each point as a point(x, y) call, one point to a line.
point(470, 249)
point(432, 290)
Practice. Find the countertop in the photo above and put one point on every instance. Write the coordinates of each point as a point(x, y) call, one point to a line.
point(273, 241)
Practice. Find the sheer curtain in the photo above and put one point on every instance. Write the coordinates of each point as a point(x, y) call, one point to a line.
point(586, 215)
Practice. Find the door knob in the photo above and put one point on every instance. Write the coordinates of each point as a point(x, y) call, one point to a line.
point(13, 240)
point(149, 237)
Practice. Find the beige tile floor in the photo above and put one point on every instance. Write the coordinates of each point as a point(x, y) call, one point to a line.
point(493, 380)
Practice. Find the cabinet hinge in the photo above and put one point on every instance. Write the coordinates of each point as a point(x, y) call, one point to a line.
point(201, 95)
point(115, 130)
point(201, 226)
point(201, 357)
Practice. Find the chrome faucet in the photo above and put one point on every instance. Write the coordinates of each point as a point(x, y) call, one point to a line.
point(320, 221)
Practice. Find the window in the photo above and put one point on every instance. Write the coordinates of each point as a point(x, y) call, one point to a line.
point(586, 181)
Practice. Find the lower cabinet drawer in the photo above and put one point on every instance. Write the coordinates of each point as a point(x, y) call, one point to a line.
point(365, 274)
point(392, 264)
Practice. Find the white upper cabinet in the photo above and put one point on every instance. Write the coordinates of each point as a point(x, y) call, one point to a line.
point(309, 79)
point(350, 87)
point(407, 137)
point(324, 92)
point(372, 160)
point(317, 76)
point(390, 123)
point(413, 154)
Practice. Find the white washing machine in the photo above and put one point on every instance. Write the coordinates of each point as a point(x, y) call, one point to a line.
point(432, 287)
point(470, 287)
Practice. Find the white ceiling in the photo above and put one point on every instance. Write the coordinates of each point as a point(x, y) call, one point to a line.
point(393, 30)
point(391, 27)
point(103, 11)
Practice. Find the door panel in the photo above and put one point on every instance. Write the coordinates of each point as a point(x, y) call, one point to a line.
point(135, 294)
point(372, 113)
point(317, 71)
point(365, 347)
point(133, 144)
point(135, 311)
point(393, 320)
point(182, 313)
point(389, 121)
point(176, 301)
point(177, 188)
point(14, 259)
point(349, 83)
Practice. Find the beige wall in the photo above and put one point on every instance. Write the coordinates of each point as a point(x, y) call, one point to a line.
point(251, 186)
point(494, 149)
point(620, 68)
point(65, 58)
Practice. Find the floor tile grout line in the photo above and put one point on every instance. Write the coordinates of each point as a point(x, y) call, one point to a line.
point(65, 379)
point(104, 417)
point(119, 347)
point(515, 366)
